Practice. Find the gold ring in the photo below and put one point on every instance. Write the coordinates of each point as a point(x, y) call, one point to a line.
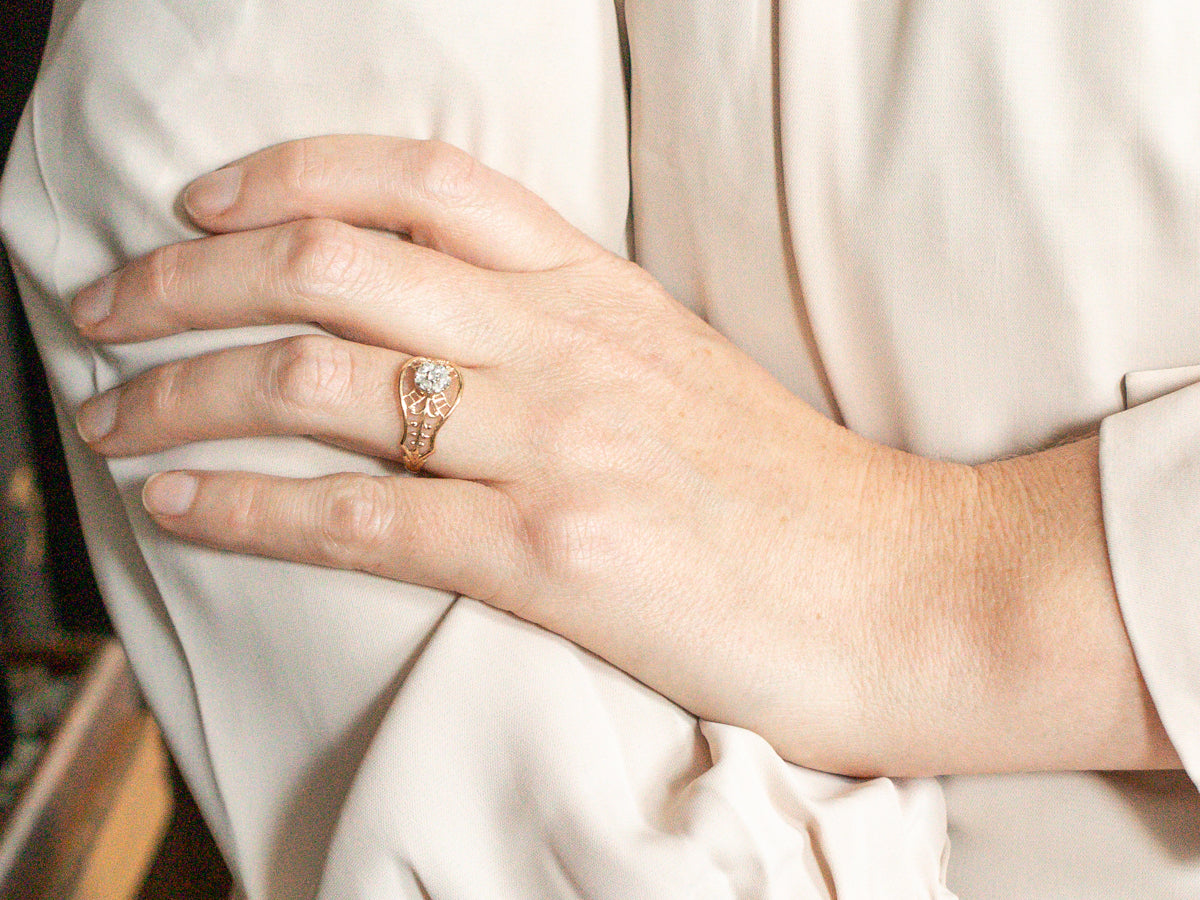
point(429, 391)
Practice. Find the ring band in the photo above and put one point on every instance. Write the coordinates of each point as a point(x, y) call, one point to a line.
point(429, 391)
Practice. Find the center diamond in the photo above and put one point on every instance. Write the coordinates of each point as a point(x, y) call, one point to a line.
point(432, 377)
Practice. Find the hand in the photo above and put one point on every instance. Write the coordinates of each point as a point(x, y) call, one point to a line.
point(616, 472)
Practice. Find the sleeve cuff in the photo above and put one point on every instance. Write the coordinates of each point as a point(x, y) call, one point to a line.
point(1150, 482)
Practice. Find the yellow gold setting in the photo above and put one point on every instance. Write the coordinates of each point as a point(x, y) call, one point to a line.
point(429, 391)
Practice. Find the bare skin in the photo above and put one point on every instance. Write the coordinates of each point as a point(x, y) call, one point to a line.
point(866, 610)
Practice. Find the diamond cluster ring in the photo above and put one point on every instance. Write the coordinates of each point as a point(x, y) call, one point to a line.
point(429, 391)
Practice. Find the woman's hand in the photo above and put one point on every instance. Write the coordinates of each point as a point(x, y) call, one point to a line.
point(616, 472)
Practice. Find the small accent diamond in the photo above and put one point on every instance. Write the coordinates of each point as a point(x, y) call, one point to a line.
point(432, 377)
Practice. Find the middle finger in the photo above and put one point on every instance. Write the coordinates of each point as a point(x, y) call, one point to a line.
point(363, 285)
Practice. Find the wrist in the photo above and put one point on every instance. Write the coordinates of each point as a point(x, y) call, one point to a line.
point(906, 582)
point(1058, 672)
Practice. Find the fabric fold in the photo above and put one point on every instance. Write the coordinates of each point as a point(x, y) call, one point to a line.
point(342, 729)
point(1150, 477)
point(605, 790)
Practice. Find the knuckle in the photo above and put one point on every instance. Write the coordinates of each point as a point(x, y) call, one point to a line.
point(568, 542)
point(165, 270)
point(323, 256)
point(444, 172)
point(165, 401)
point(358, 520)
point(305, 168)
point(308, 372)
point(244, 509)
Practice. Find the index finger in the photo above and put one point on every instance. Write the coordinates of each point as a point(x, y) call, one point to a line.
point(437, 194)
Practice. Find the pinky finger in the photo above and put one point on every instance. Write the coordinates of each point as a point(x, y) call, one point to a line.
point(453, 535)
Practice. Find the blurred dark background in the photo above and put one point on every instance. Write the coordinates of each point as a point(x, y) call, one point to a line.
point(45, 580)
point(51, 615)
point(47, 592)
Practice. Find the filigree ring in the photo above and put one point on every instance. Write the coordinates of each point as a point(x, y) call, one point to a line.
point(429, 391)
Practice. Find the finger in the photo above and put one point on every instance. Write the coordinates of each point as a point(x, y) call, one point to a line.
point(336, 391)
point(365, 286)
point(439, 195)
point(454, 535)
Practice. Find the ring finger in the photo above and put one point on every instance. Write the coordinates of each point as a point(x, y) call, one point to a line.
point(323, 387)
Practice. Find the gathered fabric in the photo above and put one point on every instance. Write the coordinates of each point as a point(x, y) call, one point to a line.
point(964, 230)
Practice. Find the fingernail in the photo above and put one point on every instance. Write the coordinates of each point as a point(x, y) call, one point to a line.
point(169, 494)
point(96, 418)
point(214, 193)
point(93, 304)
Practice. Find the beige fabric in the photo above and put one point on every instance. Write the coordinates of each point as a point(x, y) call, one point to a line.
point(957, 227)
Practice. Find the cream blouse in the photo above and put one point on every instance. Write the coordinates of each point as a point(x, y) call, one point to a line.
point(965, 229)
